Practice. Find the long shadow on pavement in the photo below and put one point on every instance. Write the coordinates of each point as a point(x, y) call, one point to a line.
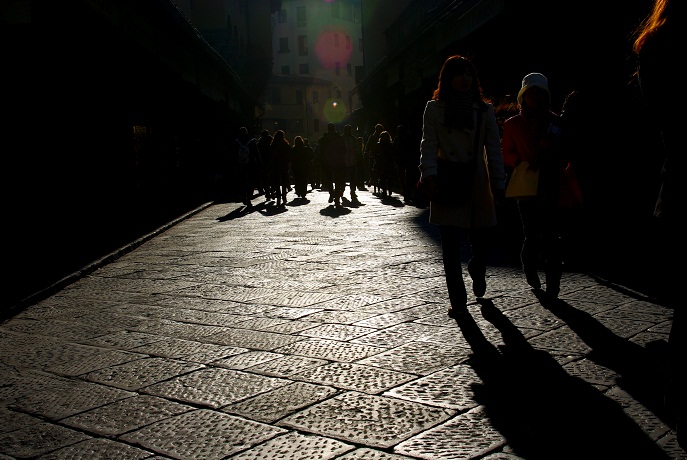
point(641, 371)
point(241, 211)
point(539, 408)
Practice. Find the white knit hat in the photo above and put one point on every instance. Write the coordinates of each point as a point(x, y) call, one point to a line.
point(533, 79)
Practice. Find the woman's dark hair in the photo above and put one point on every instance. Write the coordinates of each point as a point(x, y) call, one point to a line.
point(279, 137)
point(298, 141)
point(453, 66)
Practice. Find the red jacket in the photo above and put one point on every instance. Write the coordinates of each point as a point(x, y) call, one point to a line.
point(523, 141)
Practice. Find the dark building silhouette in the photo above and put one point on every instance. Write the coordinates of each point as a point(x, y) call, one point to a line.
point(115, 114)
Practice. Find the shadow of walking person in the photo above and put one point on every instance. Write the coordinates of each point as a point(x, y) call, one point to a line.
point(540, 409)
point(241, 212)
point(641, 372)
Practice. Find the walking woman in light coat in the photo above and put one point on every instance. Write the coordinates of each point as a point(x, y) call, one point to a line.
point(460, 139)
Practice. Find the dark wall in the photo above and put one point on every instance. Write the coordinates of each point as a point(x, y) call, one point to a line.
point(79, 184)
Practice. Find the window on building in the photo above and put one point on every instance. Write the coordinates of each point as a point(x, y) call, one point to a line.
point(338, 94)
point(282, 16)
point(337, 68)
point(349, 69)
point(335, 9)
point(316, 125)
point(348, 42)
point(300, 17)
point(285, 70)
point(347, 11)
point(359, 74)
point(299, 97)
point(275, 96)
point(304, 68)
point(302, 45)
point(315, 97)
point(360, 45)
point(284, 45)
point(336, 40)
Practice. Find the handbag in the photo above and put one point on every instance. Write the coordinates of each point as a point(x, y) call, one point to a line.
point(523, 182)
point(455, 180)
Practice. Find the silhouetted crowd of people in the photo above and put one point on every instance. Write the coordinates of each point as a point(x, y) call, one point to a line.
point(273, 166)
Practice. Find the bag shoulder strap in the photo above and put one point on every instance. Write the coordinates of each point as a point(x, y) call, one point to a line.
point(478, 130)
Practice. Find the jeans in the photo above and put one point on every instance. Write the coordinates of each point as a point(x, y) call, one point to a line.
point(452, 239)
point(542, 244)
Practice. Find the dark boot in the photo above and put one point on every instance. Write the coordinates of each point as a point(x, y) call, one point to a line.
point(554, 267)
point(530, 261)
point(553, 286)
point(479, 281)
point(532, 277)
point(457, 295)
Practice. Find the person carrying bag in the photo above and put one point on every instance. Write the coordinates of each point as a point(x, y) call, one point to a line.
point(531, 145)
point(462, 174)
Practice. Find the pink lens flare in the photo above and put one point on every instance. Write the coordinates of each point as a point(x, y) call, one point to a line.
point(330, 48)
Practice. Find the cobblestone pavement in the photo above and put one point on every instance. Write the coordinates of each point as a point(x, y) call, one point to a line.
point(311, 332)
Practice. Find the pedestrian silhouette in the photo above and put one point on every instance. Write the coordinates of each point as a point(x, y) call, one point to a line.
point(351, 154)
point(264, 142)
point(371, 145)
point(460, 136)
point(333, 158)
point(385, 164)
point(407, 157)
point(248, 164)
point(301, 159)
point(280, 161)
point(534, 136)
point(659, 40)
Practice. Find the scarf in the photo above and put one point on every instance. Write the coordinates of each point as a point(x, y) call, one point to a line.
point(459, 111)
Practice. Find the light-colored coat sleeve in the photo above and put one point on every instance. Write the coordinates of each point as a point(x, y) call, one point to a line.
point(429, 146)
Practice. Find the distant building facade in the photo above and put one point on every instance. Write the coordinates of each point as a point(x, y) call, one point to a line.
point(318, 59)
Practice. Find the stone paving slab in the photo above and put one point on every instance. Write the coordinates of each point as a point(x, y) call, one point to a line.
point(294, 446)
point(112, 419)
point(357, 377)
point(38, 439)
point(273, 405)
point(202, 434)
point(367, 419)
point(417, 357)
point(312, 333)
point(468, 435)
point(214, 387)
point(63, 397)
point(135, 375)
point(99, 448)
